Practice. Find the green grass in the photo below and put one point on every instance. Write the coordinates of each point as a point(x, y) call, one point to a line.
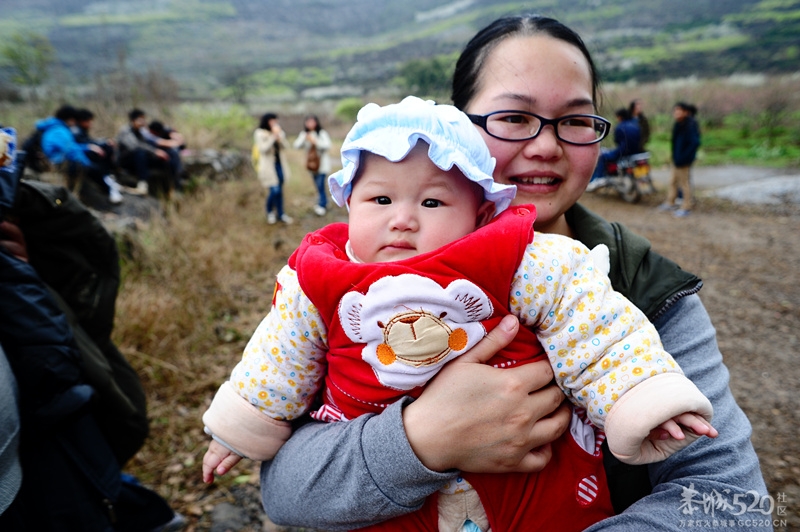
point(728, 145)
point(179, 10)
point(671, 50)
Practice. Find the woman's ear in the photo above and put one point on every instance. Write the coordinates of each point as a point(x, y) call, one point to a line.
point(485, 213)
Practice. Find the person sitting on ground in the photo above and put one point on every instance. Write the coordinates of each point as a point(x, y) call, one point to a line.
point(61, 148)
point(80, 407)
point(385, 302)
point(628, 140)
point(82, 131)
point(171, 141)
point(139, 156)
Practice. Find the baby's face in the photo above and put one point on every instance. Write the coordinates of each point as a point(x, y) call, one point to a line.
point(399, 210)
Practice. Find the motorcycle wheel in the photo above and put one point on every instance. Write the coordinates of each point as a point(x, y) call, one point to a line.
point(628, 190)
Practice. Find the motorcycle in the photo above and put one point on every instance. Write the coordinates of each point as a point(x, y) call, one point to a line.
point(629, 176)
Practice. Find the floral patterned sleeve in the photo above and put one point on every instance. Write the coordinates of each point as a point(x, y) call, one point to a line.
point(284, 364)
point(599, 344)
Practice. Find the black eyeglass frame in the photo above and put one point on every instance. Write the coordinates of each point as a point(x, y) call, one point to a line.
point(482, 122)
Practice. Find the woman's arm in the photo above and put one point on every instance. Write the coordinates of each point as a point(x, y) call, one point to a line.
point(265, 141)
point(471, 417)
point(323, 140)
point(300, 141)
point(720, 468)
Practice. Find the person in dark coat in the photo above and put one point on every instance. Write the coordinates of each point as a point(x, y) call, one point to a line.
point(685, 143)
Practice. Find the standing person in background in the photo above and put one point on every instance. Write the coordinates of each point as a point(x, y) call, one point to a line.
point(685, 143)
point(314, 137)
point(635, 110)
point(272, 169)
point(477, 418)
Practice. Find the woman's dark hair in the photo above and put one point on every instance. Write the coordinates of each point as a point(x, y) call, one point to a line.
point(316, 121)
point(264, 123)
point(471, 60)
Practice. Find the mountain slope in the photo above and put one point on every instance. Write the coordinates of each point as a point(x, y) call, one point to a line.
point(206, 44)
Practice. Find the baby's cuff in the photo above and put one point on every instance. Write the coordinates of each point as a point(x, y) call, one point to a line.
point(243, 427)
point(646, 406)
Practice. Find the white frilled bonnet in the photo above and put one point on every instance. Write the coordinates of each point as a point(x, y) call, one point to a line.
point(393, 130)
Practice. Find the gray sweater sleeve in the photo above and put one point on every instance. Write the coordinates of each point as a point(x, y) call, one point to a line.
point(357, 473)
point(715, 469)
point(370, 467)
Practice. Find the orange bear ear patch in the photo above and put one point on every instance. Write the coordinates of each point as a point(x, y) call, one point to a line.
point(457, 340)
point(275, 291)
point(386, 354)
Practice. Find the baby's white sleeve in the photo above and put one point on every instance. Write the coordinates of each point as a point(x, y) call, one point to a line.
point(599, 344)
point(284, 363)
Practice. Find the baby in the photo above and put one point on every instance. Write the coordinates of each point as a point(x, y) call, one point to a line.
point(433, 257)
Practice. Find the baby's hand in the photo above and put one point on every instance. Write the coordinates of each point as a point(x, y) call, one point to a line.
point(218, 459)
point(671, 429)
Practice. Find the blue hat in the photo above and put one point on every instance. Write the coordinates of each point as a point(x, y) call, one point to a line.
point(393, 130)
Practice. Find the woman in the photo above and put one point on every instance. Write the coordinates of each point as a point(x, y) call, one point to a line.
point(477, 418)
point(270, 141)
point(313, 136)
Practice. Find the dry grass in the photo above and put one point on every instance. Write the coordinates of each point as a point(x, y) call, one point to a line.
point(195, 286)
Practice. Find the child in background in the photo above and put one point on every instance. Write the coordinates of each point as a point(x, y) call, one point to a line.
point(432, 258)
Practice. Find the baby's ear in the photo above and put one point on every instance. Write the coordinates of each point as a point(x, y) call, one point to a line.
point(485, 213)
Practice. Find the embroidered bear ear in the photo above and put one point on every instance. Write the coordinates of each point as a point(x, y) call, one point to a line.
point(472, 302)
point(350, 316)
point(386, 354)
point(458, 340)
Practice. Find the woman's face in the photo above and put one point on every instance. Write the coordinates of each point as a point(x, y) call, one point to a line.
point(311, 123)
point(551, 78)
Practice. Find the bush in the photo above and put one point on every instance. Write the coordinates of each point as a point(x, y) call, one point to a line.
point(347, 109)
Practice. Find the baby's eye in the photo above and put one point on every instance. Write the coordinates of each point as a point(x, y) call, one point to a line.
point(431, 203)
point(382, 200)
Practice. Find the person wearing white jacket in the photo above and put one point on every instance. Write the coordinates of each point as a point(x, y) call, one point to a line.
point(313, 136)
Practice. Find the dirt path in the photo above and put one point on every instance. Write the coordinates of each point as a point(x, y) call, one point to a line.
point(748, 258)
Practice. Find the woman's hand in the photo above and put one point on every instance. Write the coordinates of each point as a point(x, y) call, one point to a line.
point(477, 418)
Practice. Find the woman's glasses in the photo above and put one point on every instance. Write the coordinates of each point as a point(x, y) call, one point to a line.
point(521, 125)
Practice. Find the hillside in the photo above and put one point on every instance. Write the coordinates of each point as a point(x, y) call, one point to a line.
point(208, 45)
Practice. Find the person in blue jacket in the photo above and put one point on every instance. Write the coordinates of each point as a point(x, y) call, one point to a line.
point(60, 147)
point(628, 140)
point(685, 143)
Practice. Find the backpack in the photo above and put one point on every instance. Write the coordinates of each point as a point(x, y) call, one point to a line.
point(255, 155)
point(35, 159)
point(77, 258)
